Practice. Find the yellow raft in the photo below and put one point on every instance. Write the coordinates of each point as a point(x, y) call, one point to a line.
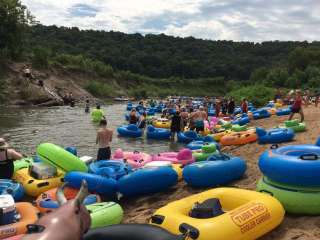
point(161, 123)
point(247, 215)
point(34, 187)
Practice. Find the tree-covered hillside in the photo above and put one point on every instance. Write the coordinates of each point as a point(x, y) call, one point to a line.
point(161, 56)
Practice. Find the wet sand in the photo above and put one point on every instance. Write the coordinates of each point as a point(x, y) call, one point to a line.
point(139, 210)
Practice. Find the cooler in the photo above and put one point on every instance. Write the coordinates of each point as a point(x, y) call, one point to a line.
point(41, 170)
point(7, 209)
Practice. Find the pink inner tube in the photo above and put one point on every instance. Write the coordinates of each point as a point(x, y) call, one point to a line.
point(183, 157)
point(135, 159)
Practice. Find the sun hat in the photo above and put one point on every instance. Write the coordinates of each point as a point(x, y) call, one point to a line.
point(3, 144)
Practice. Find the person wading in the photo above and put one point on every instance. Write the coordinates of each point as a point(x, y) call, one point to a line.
point(104, 138)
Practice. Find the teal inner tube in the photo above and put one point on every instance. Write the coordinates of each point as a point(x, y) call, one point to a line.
point(295, 201)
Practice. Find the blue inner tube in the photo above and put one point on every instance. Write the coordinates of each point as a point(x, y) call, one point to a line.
point(276, 135)
point(110, 168)
point(147, 181)
point(187, 137)
point(51, 204)
point(101, 185)
point(157, 133)
point(129, 131)
point(217, 170)
point(11, 187)
point(293, 165)
point(196, 145)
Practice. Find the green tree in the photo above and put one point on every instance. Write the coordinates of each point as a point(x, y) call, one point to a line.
point(298, 59)
point(14, 19)
point(277, 77)
point(259, 75)
point(40, 58)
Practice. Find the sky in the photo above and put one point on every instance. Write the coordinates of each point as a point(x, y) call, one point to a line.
point(238, 20)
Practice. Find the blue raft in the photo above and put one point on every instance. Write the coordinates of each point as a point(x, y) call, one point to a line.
point(217, 170)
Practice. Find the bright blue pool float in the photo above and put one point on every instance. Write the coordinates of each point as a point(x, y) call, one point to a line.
point(51, 204)
point(151, 111)
point(15, 189)
point(196, 145)
point(172, 111)
point(158, 133)
point(110, 168)
point(283, 112)
point(237, 111)
point(129, 106)
point(211, 112)
point(98, 184)
point(130, 130)
point(260, 114)
point(297, 165)
point(147, 181)
point(270, 105)
point(216, 170)
point(275, 135)
point(187, 136)
point(241, 121)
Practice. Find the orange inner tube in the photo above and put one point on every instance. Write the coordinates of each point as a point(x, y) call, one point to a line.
point(29, 215)
point(239, 138)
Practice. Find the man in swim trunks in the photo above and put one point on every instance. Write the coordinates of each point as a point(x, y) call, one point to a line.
point(104, 138)
point(199, 117)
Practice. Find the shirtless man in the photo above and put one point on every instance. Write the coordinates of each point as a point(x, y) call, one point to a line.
point(199, 118)
point(104, 138)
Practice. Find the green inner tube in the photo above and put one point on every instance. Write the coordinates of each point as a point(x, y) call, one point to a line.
point(105, 214)
point(201, 156)
point(291, 123)
point(238, 128)
point(290, 187)
point(293, 200)
point(22, 163)
point(227, 125)
point(300, 127)
point(60, 158)
point(209, 148)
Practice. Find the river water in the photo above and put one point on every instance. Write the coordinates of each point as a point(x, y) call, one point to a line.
point(25, 128)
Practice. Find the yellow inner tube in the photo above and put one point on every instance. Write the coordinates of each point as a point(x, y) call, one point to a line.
point(247, 215)
point(162, 123)
point(34, 187)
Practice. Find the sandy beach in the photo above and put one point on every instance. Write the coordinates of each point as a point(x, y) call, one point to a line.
point(139, 210)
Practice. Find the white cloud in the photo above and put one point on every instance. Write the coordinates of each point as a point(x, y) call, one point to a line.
point(249, 20)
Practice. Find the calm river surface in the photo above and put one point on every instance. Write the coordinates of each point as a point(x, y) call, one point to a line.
point(25, 128)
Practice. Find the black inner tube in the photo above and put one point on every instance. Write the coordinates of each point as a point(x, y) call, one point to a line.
point(131, 232)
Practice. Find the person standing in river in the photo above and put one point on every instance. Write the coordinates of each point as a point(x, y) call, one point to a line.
point(97, 114)
point(231, 106)
point(7, 156)
point(176, 122)
point(87, 106)
point(104, 139)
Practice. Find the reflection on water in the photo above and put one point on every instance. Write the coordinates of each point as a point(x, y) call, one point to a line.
point(25, 128)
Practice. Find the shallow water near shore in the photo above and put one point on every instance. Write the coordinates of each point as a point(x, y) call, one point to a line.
point(25, 128)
